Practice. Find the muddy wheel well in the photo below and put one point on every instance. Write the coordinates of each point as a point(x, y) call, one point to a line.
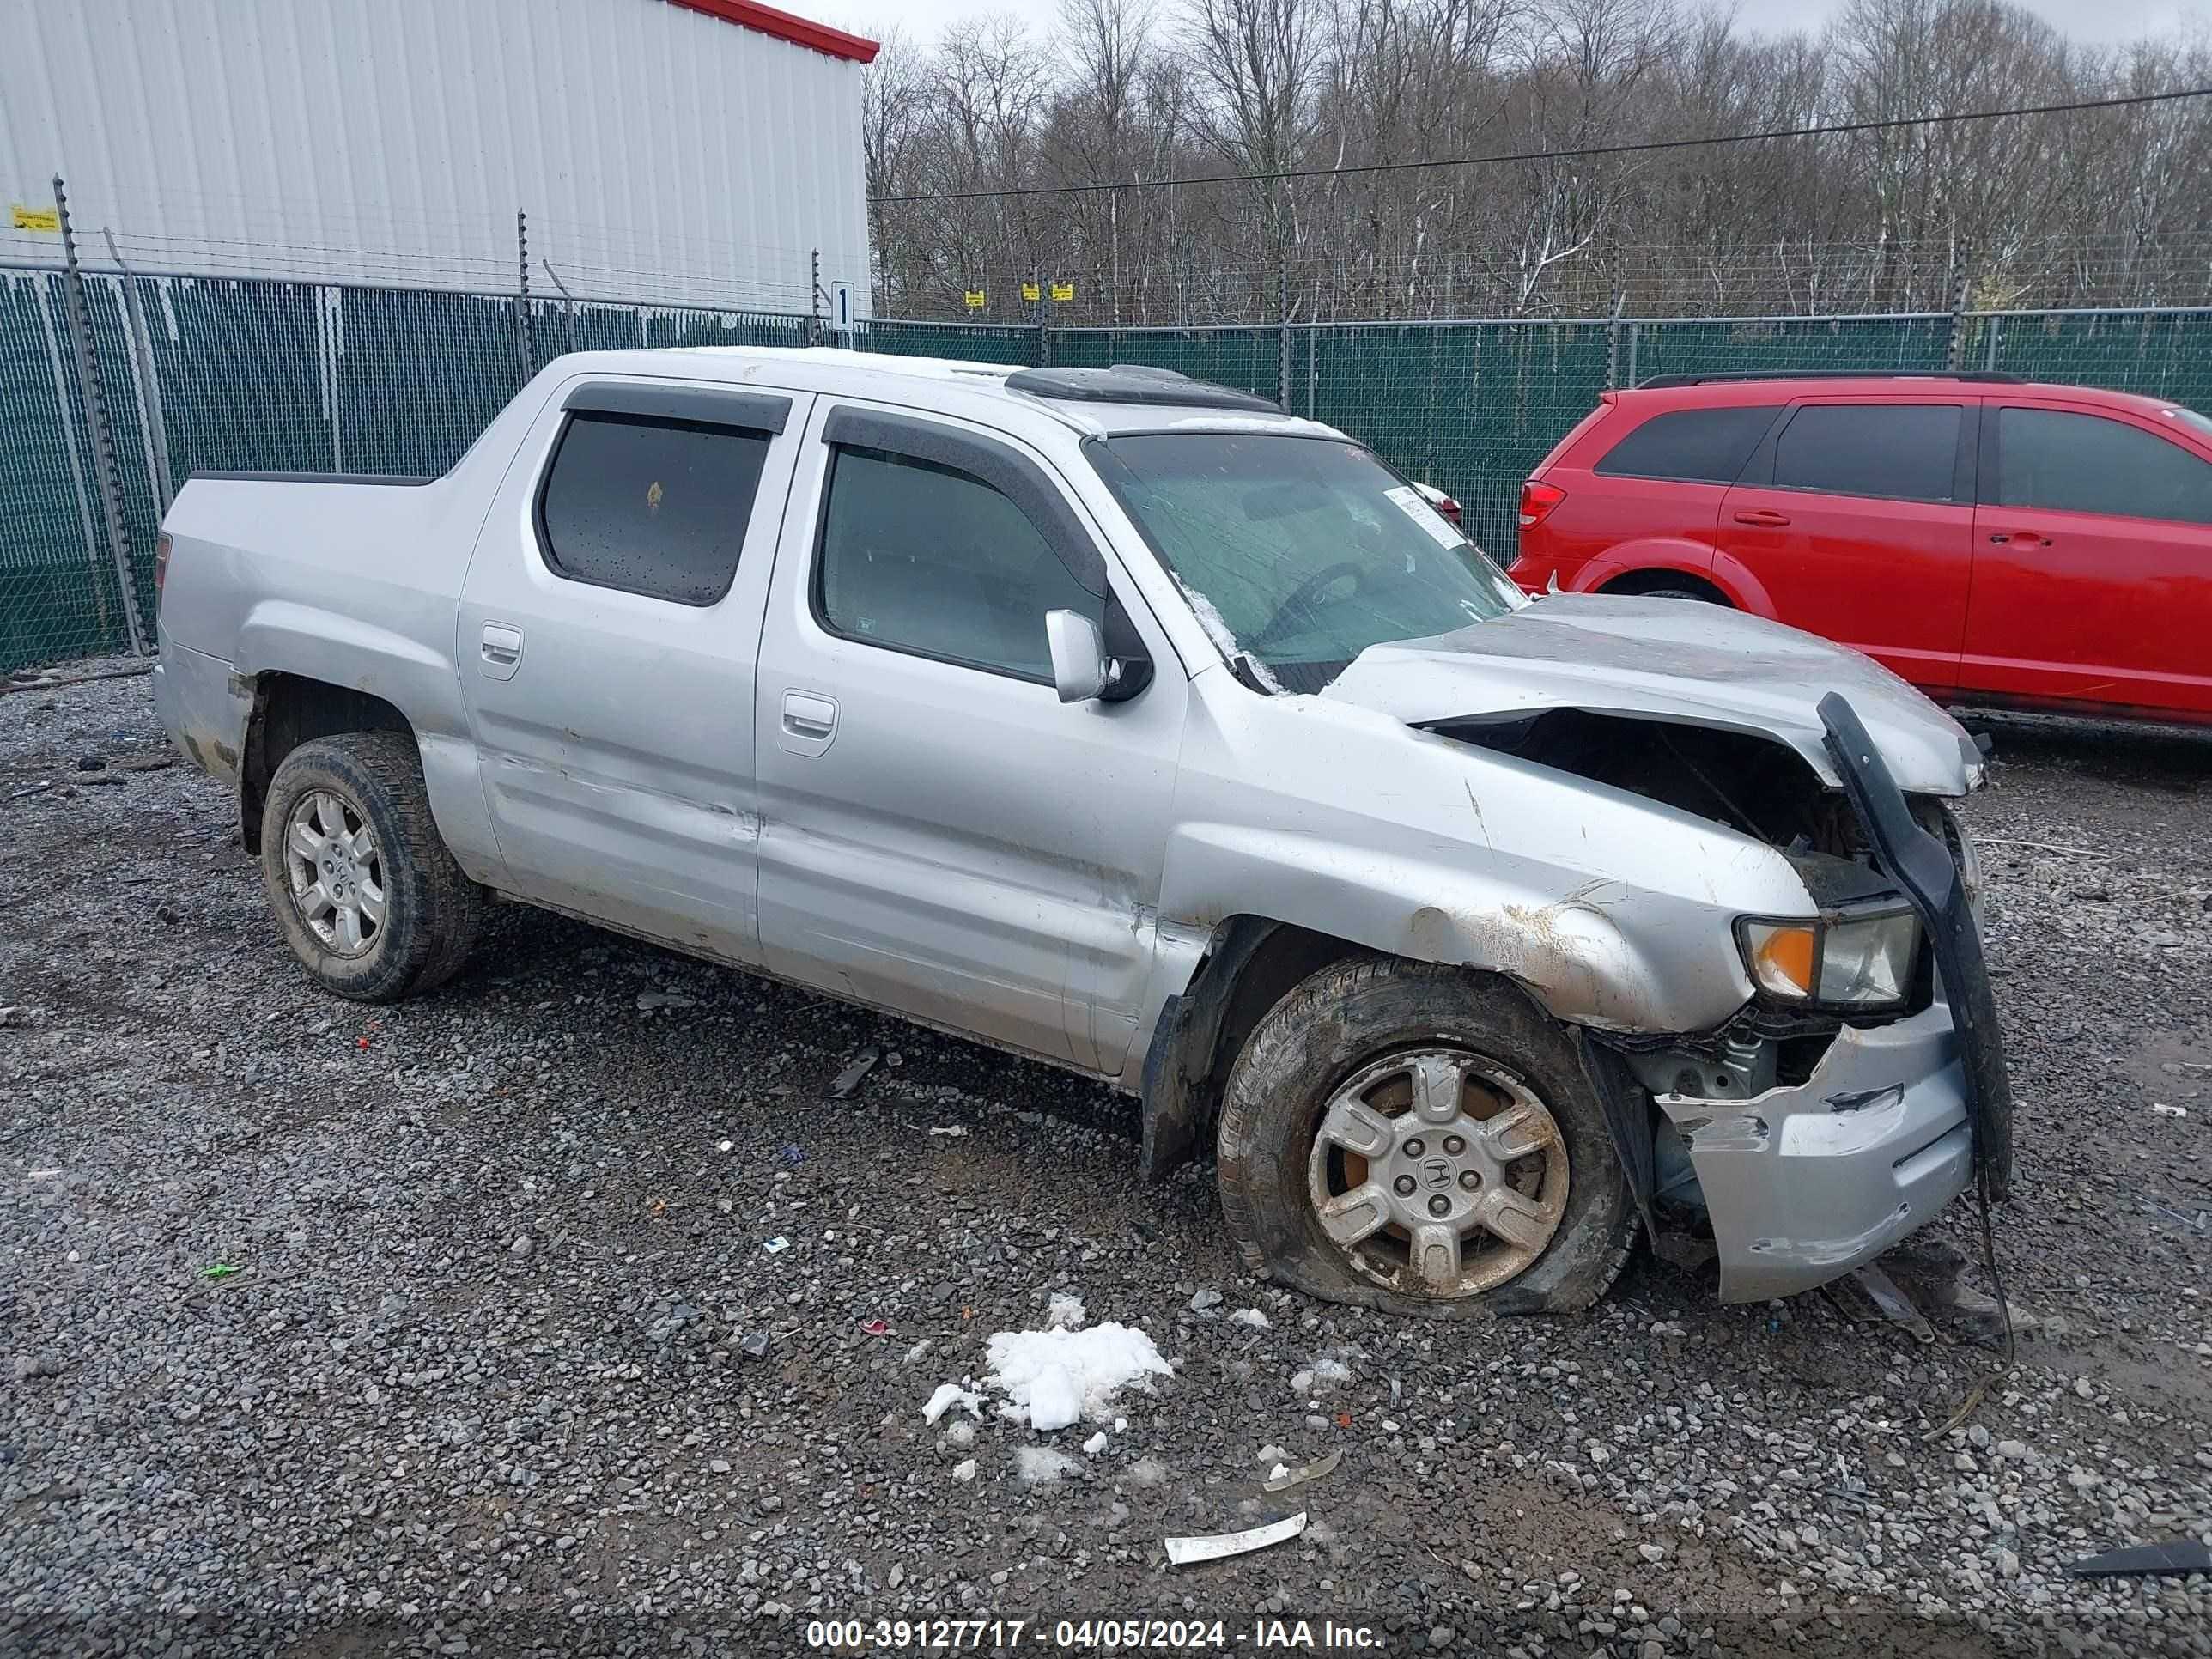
point(289, 710)
point(1251, 964)
point(1665, 581)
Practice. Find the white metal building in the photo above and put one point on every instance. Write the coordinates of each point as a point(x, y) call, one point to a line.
point(677, 151)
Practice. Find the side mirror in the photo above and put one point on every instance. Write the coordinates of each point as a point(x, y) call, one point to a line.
point(1079, 666)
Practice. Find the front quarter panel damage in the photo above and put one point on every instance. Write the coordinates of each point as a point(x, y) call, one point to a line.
point(1613, 911)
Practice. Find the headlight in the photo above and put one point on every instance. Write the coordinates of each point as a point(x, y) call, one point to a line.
point(1855, 961)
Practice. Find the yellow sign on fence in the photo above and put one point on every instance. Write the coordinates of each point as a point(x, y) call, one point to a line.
point(1063, 290)
point(31, 218)
point(1029, 291)
point(974, 297)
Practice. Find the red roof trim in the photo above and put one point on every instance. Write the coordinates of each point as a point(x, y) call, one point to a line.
point(801, 31)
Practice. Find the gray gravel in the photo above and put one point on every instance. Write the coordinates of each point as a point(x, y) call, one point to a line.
point(484, 1377)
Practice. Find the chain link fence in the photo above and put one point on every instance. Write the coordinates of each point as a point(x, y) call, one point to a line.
point(214, 373)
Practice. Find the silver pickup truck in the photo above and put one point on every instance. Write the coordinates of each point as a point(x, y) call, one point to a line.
point(1123, 721)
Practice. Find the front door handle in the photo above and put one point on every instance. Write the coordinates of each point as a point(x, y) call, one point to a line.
point(810, 720)
point(2020, 538)
point(500, 651)
point(1765, 517)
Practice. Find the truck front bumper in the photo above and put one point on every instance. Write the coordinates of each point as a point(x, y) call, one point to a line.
point(1804, 1184)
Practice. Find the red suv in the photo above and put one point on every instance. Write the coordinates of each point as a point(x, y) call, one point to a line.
point(1992, 541)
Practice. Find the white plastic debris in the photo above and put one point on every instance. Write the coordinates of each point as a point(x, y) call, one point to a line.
point(965, 1470)
point(1088, 1366)
point(775, 1246)
point(950, 1129)
point(726, 1145)
point(1252, 1317)
point(649, 1000)
point(948, 1395)
point(1065, 1313)
point(961, 1435)
point(1182, 1552)
point(1095, 1445)
point(919, 1351)
point(2164, 1110)
point(1038, 1466)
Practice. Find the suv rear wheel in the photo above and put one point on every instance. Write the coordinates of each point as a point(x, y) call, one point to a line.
point(1422, 1140)
point(361, 885)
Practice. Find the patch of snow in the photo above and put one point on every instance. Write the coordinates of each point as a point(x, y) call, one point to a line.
point(1053, 1402)
point(1327, 1373)
point(1146, 1472)
point(964, 1471)
point(1065, 1313)
point(1224, 637)
point(948, 1395)
point(1038, 1466)
point(1252, 1317)
point(1095, 1445)
point(917, 1353)
point(961, 1435)
point(1044, 1373)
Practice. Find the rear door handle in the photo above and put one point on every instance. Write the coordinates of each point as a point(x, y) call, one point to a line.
point(810, 720)
point(500, 651)
point(1763, 516)
point(2022, 538)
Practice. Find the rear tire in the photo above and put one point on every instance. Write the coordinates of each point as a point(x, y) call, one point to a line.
point(1487, 1184)
point(1696, 593)
point(361, 883)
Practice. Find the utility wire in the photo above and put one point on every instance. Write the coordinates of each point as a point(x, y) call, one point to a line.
point(1644, 148)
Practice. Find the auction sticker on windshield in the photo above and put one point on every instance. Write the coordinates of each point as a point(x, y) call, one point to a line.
point(1409, 503)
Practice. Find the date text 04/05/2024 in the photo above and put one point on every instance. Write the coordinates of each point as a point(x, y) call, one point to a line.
point(1098, 1635)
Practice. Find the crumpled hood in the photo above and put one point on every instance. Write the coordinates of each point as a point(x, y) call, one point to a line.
point(1666, 659)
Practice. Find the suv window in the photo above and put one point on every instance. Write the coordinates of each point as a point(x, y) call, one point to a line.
point(2087, 463)
point(1905, 451)
point(650, 505)
point(927, 558)
point(1700, 446)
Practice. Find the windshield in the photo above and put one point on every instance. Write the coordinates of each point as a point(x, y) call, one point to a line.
point(1303, 552)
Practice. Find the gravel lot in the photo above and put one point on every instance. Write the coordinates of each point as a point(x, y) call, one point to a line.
point(479, 1383)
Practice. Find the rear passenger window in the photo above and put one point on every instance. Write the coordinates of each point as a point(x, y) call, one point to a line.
point(2086, 464)
point(1906, 451)
point(1700, 446)
point(931, 560)
point(649, 505)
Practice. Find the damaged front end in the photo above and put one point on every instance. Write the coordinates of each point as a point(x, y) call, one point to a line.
point(1810, 1131)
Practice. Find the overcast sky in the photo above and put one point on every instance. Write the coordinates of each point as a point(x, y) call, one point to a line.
point(2103, 21)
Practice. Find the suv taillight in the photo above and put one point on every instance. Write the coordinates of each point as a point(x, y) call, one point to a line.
point(160, 564)
point(1537, 501)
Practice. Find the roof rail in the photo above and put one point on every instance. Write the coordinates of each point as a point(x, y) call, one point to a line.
point(1991, 376)
point(1126, 385)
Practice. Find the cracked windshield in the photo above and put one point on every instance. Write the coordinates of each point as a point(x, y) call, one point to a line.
point(1308, 550)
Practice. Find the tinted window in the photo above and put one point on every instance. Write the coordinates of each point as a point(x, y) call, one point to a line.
point(652, 506)
point(929, 559)
point(2085, 464)
point(1902, 450)
point(1707, 446)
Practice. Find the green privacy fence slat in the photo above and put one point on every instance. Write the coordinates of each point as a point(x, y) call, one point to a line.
point(1763, 344)
point(2160, 354)
point(981, 343)
point(1246, 358)
point(1467, 407)
point(257, 375)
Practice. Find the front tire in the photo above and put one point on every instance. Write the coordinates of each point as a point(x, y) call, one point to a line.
point(361, 883)
point(1424, 1140)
